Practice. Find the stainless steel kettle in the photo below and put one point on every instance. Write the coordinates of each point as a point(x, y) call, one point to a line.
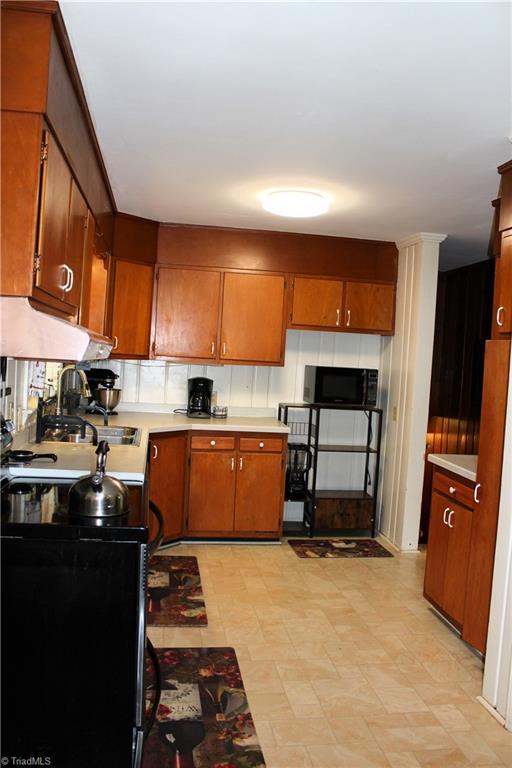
point(98, 495)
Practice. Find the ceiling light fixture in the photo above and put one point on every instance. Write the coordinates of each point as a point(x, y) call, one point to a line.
point(294, 203)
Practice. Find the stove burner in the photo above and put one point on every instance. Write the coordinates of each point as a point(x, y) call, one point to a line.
point(25, 457)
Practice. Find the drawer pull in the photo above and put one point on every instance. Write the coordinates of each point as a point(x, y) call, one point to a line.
point(212, 442)
point(476, 497)
point(452, 489)
point(444, 515)
point(450, 518)
point(262, 445)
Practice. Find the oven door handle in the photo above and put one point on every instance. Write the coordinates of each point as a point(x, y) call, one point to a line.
point(155, 544)
point(158, 687)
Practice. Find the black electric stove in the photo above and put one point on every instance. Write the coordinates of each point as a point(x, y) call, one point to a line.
point(29, 503)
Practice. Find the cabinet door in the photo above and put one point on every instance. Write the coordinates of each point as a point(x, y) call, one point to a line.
point(131, 312)
point(459, 521)
point(187, 313)
point(369, 307)
point(52, 275)
point(437, 549)
point(167, 479)
point(93, 303)
point(259, 483)
point(76, 242)
point(488, 476)
point(503, 282)
point(211, 499)
point(253, 318)
point(316, 302)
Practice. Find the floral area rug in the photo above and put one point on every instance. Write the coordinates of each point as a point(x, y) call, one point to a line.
point(175, 596)
point(338, 548)
point(203, 720)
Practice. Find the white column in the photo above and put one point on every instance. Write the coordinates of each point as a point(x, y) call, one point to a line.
point(406, 368)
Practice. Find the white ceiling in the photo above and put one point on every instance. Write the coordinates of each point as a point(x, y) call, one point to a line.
point(400, 111)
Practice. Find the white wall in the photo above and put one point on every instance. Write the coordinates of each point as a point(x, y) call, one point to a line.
point(406, 374)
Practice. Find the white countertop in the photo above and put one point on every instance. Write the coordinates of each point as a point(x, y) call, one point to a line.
point(459, 463)
point(128, 462)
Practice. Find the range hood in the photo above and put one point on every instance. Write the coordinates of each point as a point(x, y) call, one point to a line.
point(27, 333)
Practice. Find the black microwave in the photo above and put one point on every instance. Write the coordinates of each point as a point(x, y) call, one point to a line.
point(340, 386)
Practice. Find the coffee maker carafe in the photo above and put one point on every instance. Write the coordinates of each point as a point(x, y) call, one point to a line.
point(298, 466)
point(199, 403)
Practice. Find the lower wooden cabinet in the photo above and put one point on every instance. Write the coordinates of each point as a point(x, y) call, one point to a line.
point(236, 489)
point(449, 543)
point(167, 481)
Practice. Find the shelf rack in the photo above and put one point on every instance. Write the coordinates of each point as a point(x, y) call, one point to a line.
point(310, 428)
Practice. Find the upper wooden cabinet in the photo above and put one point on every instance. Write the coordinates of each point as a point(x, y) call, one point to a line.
point(502, 325)
point(505, 208)
point(369, 307)
point(193, 322)
point(131, 308)
point(316, 303)
point(252, 326)
point(187, 313)
point(336, 305)
point(97, 258)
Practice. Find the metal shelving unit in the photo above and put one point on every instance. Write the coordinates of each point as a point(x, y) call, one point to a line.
point(310, 429)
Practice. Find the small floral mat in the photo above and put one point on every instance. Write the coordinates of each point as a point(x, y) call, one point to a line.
point(203, 713)
point(175, 596)
point(338, 548)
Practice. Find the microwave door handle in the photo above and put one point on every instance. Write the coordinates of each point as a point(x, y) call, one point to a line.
point(155, 544)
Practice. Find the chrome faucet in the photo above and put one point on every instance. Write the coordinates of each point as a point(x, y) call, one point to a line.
point(86, 392)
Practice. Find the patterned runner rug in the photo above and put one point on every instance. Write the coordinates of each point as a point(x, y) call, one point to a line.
point(203, 720)
point(175, 596)
point(338, 548)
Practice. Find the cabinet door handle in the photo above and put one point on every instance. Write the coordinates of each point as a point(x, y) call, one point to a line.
point(224, 347)
point(337, 317)
point(499, 316)
point(476, 498)
point(232, 463)
point(213, 347)
point(348, 318)
point(452, 489)
point(450, 518)
point(71, 280)
point(262, 445)
point(155, 451)
point(444, 515)
point(116, 343)
point(212, 442)
point(67, 270)
point(241, 465)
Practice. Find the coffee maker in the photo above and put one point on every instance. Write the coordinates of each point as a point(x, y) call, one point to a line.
point(199, 403)
point(298, 466)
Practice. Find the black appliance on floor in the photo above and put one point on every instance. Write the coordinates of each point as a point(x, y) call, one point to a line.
point(297, 468)
point(74, 632)
point(199, 403)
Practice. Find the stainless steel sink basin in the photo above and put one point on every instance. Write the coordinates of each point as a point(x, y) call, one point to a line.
point(114, 436)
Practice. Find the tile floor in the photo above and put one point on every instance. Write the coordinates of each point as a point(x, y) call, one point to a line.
point(344, 664)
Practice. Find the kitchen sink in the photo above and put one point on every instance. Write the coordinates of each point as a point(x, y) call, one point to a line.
point(114, 436)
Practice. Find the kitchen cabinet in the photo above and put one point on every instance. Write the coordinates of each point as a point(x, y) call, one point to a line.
point(236, 486)
point(505, 207)
point(252, 325)
point(338, 305)
point(503, 287)
point(78, 222)
point(316, 303)
point(132, 297)
point(166, 481)
point(449, 542)
point(210, 316)
point(97, 258)
point(187, 313)
point(487, 492)
point(369, 307)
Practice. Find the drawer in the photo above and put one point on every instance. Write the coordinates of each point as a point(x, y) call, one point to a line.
point(261, 444)
point(212, 443)
point(454, 488)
